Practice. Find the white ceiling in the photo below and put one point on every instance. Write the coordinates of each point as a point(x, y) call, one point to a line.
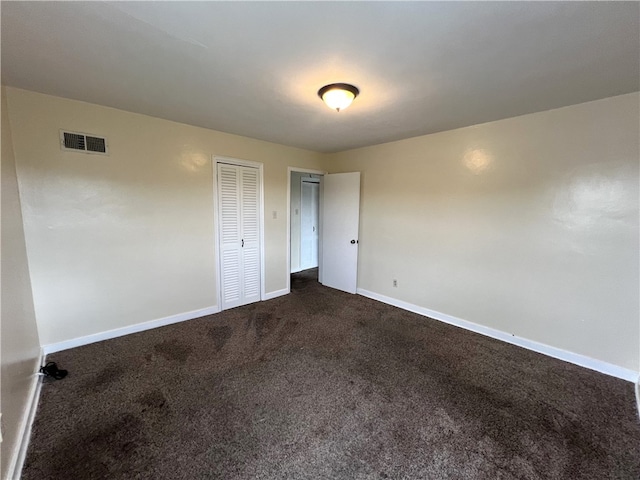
point(254, 69)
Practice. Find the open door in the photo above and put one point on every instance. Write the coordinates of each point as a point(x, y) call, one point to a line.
point(341, 216)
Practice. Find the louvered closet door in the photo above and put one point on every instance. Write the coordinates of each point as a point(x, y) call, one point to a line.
point(239, 197)
point(250, 215)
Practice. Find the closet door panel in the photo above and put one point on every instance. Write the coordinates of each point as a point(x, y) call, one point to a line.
point(231, 288)
point(239, 224)
point(230, 235)
point(250, 215)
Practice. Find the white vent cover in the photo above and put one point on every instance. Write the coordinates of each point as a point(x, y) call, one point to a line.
point(83, 142)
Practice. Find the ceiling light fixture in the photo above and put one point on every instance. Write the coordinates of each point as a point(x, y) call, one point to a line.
point(338, 96)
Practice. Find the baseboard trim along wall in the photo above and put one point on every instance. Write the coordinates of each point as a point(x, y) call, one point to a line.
point(119, 332)
point(17, 458)
point(275, 294)
point(575, 358)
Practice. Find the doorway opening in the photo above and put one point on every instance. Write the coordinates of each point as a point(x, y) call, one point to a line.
point(304, 212)
point(338, 226)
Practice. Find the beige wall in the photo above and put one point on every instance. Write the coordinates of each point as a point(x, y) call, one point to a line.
point(20, 346)
point(126, 238)
point(527, 225)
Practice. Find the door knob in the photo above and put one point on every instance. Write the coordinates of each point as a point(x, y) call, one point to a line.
point(353, 241)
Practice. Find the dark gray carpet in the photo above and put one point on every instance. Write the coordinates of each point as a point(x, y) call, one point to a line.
point(325, 385)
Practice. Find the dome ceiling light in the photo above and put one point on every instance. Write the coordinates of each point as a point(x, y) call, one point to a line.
point(338, 96)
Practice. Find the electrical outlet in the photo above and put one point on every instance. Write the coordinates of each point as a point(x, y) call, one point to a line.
point(395, 283)
point(275, 214)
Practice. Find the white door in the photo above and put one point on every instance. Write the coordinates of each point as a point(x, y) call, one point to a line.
point(239, 210)
point(341, 214)
point(309, 216)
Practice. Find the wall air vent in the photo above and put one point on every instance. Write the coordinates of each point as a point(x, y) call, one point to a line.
point(83, 142)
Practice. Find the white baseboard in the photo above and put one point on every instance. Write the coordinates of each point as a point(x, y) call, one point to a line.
point(119, 332)
point(276, 293)
point(575, 358)
point(17, 458)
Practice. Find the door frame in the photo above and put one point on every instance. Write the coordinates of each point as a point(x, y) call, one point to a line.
point(301, 170)
point(216, 159)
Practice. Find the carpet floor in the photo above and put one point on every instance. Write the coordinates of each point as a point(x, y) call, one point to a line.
point(320, 384)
